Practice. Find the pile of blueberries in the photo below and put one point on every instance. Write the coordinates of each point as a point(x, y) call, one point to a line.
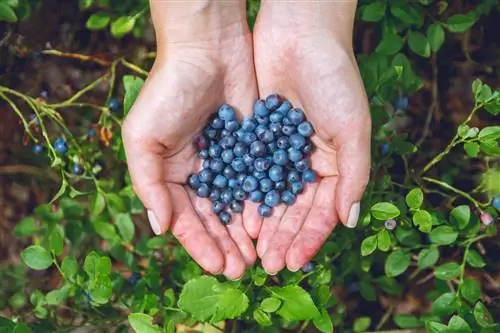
point(264, 158)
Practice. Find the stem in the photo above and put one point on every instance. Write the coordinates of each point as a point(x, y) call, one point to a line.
point(476, 203)
point(20, 115)
point(81, 92)
point(82, 57)
point(303, 326)
point(384, 318)
point(462, 267)
point(133, 67)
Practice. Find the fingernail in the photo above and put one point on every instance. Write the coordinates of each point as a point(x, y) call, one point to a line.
point(153, 221)
point(352, 219)
point(293, 270)
point(270, 273)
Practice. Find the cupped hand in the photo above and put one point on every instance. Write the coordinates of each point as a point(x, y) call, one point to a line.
point(316, 71)
point(187, 84)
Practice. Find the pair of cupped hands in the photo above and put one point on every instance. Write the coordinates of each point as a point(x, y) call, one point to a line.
point(204, 61)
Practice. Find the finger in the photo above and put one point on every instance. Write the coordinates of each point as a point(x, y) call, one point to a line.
point(234, 263)
point(190, 232)
point(269, 226)
point(319, 224)
point(251, 219)
point(273, 260)
point(242, 239)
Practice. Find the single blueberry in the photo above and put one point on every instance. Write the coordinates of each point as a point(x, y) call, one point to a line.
point(250, 184)
point(225, 217)
point(233, 183)
point(248, 124)
point(308, 148)
point(259, 175)
point(248, 138)
point(275, 128)
point(302, 165)
point(241, 177)
point(266, 185)
point(288, 129)
point(220, 181)
point(305, 129)
point(226, 196)
point(37, 149)
point(288, 198)
point(272, 147)
point(296, 116)
point(287, 121)
point(45, 95)
point(284, 107)
point(280, 186)
point(113, 104)
point(218, 206)
point(226, 112)
point(250, 169)
point(256, 196)
point(215, 151)
point(210, 133)
point(225, 132)
point(276, 173)
point(272, 198)
point(216, 165)
point(262, 120)
point(203, 191)
point(238, 164)
point(217, 123)
point(495, 202)
point(280, 157)
point(283, 142)
point(258, 148)
point(264, 210)
point(228, 142)
point(206, 176)
point(297, 141)
point(239, 194)
point(232, 126)
point(276, 117)
point(260, 130)
point(297, 187)
point(385, 149)
point(248, 159)
point(236, 206)
point(134, 278)
point(61, 146)
point(240, 149)
point(77, 169)
point(227, 156)
point(273, 101)
point(203, 154)
point(295, 155)
point(309, 176)
point(205, 164)
point(293, 176)
point(309, 267)
point(260, 109)
point(401, 103)
point(267, 137)
point(214, 194)
point(261, 164)
point(229, 172)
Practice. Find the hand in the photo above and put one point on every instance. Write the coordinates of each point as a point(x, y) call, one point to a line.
point(313, 65)
point(190, 79)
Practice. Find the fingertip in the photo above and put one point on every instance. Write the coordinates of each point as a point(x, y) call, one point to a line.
point(273, 262)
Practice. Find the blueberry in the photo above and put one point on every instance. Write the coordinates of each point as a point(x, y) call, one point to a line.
point(77, 169)
point(91, 132)
point(272, 147)
point(265, 210)
point(220, 181)
point(284, 107)
point(261, 164)
point(272, 198)
point(260, 130)
point(251, 169)
point(228, 142)
point(203, 191)
point(232, 126)
point(401, 103)
point(227, 156)
point(294, 155)
point(218, 206)
point(226, 112)
point(194, 181)
point(293, 176)
point(226, 196)
point(214, 194)
point(267, 137)
point(238, 164)
point(280, 186)
point(256, 196)
point(276, 173)
point(385, 148)
point(113, 104)
point(288, 198)
point(215, 151)
point(266, 185)
point(309, 267)
point(225, 132)
point(248, 124)
point(257, 148)
point(297, 141)
point(229, 172)
point(233, 183)
point(236, 207)
point(287, 121)
point(308, 148)
point(259, 175)
point(250, 184)
point(217, 123)
point(305, 129)
point(280, 157)
point(37, 149)
point(225, 217)
point(134, 278)
point(239, 194)
point(206, 176)
point(248, 138)
point(203, 154)
point(273, 101)
point(276, 117)
point(241, 177)
point(211, 133)
point(282, 142)
point(309, 176)
point(260, 109)
point(297, 187)
point(262, 120)
point(217, 165)
point(45, 95)
point(275, 128)
point(302, 165)
point(240, 149)
point(206, 164)
point(61, 146)
point(288, 129)
point(248, 159)
point(496, 202)
point(295, 115)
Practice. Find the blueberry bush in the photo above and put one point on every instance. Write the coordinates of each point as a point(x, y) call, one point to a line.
point(422, 257)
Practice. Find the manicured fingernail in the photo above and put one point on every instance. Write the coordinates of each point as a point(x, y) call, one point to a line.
point(153, 221)
point(352, 219)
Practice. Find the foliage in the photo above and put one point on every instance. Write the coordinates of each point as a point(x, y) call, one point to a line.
point(106, 268)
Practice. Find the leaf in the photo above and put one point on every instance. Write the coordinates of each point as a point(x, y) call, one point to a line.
point(419, 44)
point(132, 85)
point(428, 257)
point(470, 290)
point(474, 259)
point(103, 266)
point(36, 257)
point(98, 21)
point(324, 322)
point(407, 321)
point(105, 230)
point(69, 267)
point(396, 263)
point(423, 220)
point(368, 245)
point(208, 300)
point(297, 303)
point(102, 290)
point(262, 318)
point(384, 240)
point(270, 304)
point(435, 36)
point(125, 226)
point(25, 227)
point(142, 323)
point(447, 271)
point(433, 327)
point(415, 198)
point(461, 22)
point(458, 325)
point(445, 304)
point(362, 324)
point(56, 240)
point(443, 235)
point(57, 296)
point(7, 14)
point(390, 44)
point(461, 215)
point(384, 211)
point(122, 26)
point(373, 12)
point(490, 133)
point(85, 4)
point(482, 316)
point(20, 328)
point(98, 204)
point(90, 263)
point(471, 149)
point(407, 13)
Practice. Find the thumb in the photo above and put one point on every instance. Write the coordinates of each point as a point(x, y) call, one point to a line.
point(353, 159)
point(146, 169)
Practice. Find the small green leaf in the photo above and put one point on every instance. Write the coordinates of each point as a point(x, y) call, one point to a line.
point(433, 327)
point(474, 259)
point(69, 267)
point(368, 245)
point(98, 205)
point(458, 325)
point(103, 266)
point(407, 13)
point(435, 36)
point(98, 21)
point(26, 227)
point(423, 220)
point(384, 240)
point(396, 263)
point(461, 215)
point(89, 265)
point(362, 324)
point(297, 303)
point(270, 304)
point(445, 304)
point(105, 230)
point(418, 43)
point(470, 290)
point(36, 257)
point(125, 226)
point(122, 26)
point(142, 323)
point(56, 240)
point(384, 211)
point(490, 133)
point(482, 315)
point(262, 318)
point(20, 328)
point(58, 296)
point(443, 235)
point(390, 44)
point(373, 12)
point(471, 149)
point(460, 22)
point(7, 14)
point(415, 198)
point(447, 271)
point(132, 86)
point(428, 257)
point(85, 4)
point(324, 322)
point(407, 321)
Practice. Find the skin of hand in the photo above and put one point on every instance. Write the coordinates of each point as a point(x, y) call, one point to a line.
point(303, 50)
point(204, 59)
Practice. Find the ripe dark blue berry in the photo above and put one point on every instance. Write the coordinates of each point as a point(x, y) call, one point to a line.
point(275, 127)
point(309, 267)
point(305, 129)
point(265, 185)
point(248, 138)
point(203, 154)
point(226, 196)
point(225, 217)
point(217, 123)
point(280, 157)
point(302, 165)
point(44, 94)
point(265, 210)
point(256, 196)
point(113, 104)
point(239, 194)
point(267, 137)
point(308, 148)
point(218, 206)
point(77, 169)
point(295, 115)
point(261, 164)
point(297, 187)
point(297, 141)
point(385, 148)
point(284, 107)
point(238, 164)
point(214, 195)
point(248, 124)
point(272, 198)
point(61, 146)
point(232, 125)
point(236, 207)
point(226, 112)
point(288, 198)
point(240, 149)
point(259, 175)
point(203, 191)
point(401, 103)
point(215, 151)
point(227, 156)
point(276, 173)
point(309, 176)
point(228, 142)
point(37, 149)
point(262, 120)
point(194, 182)
point(217, 165)
point(273, 101)
point(134, 278)
point(233, 183)
point(293, 176)
point(258, 148)
point(206, 176)
point(250, 184)
point(276, 117)
point(283, 142)
point(248, 159)
point(220, 181)
point(211, 133)
point(288, 129)
point(91, 132)
point(280, 186)
point(272, 147)
point(260, 109)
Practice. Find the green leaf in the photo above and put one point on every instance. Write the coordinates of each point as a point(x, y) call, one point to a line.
point(89, 265)
point(103, 266)
point(58, 296)
point(105, 230)
point(101, 290)
point(407, 321)
point(142, 323)
point(443, 235)
point(20, 328)
point(270, 304)
point(407, 13)
point(461, 215)
point(482, 315)
point(125, 226)
point(433, 327)
point(396, 263)
point(458, 325)
point(384, 211)
point(471, 149)
point(384, 240)
point(36, 257)
point(470, 290)
point(461, 22)
point(69, 267)
point(297, 303)
point(423, 220)
point(362, 324)
point(390, 44)
point(56, 240)
point(373, 12)
point(7, 14)
point(25, 227)
point(428, 257)
point(122, 26)
point(474, 259)
point(490, 133)
point(368, 245)
point(415, 198)
point(447, 271)
point(262, 318)
point(435, 36)
point(418, 43)
point(132, 85)
point(445, 304)
point(98, 21)
point(207, 299)
point(324, 322)
point(85, 4)
point(98, 204)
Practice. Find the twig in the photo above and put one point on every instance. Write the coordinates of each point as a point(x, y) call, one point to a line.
point(447, 186)
point(434, 107)
point(78, 56)
point(385, 318)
